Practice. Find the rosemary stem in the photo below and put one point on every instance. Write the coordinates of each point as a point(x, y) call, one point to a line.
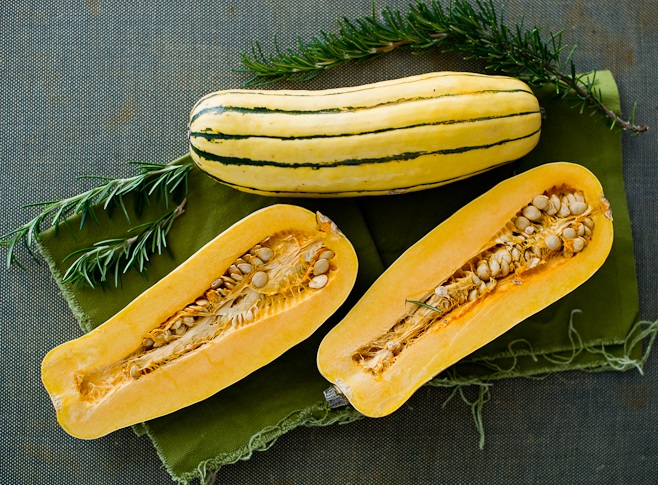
point(394, 45)
point(587, 96)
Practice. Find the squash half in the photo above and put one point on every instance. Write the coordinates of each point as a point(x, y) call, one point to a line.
point(259, 288)
point(498, 260)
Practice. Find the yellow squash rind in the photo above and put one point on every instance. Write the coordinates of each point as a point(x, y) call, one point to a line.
point(394, 136)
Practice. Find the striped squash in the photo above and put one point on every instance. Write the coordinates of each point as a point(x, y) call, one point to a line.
point(388, 137)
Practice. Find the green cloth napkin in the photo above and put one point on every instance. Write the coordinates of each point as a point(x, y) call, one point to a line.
point(590, 328)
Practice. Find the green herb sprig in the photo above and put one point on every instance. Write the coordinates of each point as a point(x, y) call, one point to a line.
point(94, 265)
point(154, 181)
point(423, 304)
point(477, 31)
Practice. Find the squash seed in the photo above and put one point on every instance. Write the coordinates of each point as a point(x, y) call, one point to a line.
point(540, 202)
point(569, 233)
point(564, 210)
point(318, 281)
point(321, 266)
point(577, 208)
point(259, 279)
point(503, 255)
point(264, 254)
point(521, 223)
point(553, 242)
point(327, 254)
point(494, 267)
point(555, 201)
point(135, 371)
point(578, 244)
point(504, 268)
point(245, 268)
point(532, 213)
point(483, 271)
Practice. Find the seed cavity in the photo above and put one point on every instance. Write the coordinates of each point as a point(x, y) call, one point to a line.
point(272, 276)
point(554, 226)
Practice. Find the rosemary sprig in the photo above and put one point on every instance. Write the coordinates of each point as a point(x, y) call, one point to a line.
point(154, 180)
point(423, 304)
point(476, 30)
point(113, 257)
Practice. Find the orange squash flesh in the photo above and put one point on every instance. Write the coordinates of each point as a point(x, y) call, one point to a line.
point(431, 261)
point(70, 370)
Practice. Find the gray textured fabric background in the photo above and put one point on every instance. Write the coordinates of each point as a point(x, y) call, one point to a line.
point(88, 86)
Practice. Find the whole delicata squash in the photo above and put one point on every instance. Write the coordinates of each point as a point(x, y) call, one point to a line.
point(505, 256)
point(388, 137)
point(259, 288)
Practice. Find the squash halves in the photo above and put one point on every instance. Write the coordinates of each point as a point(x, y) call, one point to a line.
point(508, 254)
point(259, 288)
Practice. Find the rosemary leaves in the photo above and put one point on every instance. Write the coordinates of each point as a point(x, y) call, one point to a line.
point(95, 265)
point(476, 30)
point(92, 265)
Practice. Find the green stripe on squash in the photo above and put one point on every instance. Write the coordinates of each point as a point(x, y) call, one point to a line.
point(393, 136)
point(218, 110)
point(208, 134)
point(396, 190)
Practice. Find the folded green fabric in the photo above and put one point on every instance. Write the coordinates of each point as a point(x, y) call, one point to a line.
point(592, 328)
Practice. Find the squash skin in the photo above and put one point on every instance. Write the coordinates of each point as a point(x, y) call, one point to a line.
point(195, 376)
point(438, 255)
point(395, 136)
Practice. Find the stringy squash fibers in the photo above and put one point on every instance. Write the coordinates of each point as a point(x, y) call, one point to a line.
point(511, 252)
point(257, 289)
